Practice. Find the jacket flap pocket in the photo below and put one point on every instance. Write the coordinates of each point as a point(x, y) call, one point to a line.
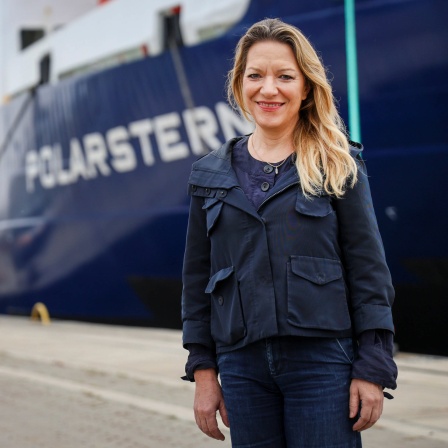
point(318, 206)
point(219, 276)
point(316, 270)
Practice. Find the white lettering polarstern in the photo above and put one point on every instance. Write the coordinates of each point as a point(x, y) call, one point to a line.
point(121, 148)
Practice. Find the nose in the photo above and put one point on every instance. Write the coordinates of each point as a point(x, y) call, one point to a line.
point(269, 87)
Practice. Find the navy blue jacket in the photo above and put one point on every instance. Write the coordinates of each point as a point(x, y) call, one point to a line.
point(293, 267)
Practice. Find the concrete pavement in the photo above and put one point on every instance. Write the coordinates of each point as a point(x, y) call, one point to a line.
point(73, 384)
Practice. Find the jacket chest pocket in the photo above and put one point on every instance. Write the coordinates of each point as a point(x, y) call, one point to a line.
point(318, 206)
point(317, 294)
point(227, 320)
point(212, 207)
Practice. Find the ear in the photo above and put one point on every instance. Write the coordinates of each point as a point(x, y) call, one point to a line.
point(306, 91)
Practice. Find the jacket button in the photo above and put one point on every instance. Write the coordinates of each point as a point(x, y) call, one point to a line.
point(268, 169)
point(264, 186)
point(223, 193)
point(221, 300)
point(194, 187)
point(207, 191)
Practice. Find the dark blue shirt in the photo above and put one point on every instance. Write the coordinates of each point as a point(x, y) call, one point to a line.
point(255, 177)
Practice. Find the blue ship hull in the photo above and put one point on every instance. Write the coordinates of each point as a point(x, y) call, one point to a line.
point(93, 203)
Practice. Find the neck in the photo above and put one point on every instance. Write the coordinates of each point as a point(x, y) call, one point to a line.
point(270, 147)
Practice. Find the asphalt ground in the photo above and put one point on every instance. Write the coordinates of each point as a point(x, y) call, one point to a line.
point(73, 385)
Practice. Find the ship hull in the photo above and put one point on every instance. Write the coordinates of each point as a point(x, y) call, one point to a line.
point(93, 203)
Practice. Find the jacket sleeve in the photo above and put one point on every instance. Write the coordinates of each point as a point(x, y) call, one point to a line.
point(367, 275)
point(196, 307)
point(375, 359)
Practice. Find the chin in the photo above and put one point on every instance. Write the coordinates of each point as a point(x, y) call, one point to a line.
point(271, 125)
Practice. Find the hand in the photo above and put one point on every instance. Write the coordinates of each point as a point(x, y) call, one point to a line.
point(367, 397)
point(207, 400)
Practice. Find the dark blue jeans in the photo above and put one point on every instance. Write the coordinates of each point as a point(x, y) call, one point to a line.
point(289, 392)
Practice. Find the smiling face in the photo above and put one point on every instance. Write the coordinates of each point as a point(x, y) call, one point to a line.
point(273, 86)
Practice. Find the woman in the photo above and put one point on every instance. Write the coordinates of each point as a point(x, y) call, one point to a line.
point(286, 290)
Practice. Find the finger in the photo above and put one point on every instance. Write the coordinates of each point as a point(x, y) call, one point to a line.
point(369, 415)
point(377, 410)
point(208, 425)
point(364, 418)
point(223, 414)
point(353, 403)
point(371, 410)
point(212, 428)
point(201, 422)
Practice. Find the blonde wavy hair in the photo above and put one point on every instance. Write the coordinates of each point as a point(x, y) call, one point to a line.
point(323, 159)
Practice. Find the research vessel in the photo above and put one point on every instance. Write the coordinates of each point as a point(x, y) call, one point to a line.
point(105, 109)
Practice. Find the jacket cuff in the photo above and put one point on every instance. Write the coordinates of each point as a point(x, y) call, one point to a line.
point(372, 317)
point(200, 357)
point(374, 362)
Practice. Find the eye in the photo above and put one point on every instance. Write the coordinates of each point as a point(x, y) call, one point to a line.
point(253, 76)
point(286, 77)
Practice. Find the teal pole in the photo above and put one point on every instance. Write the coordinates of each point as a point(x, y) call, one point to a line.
point(352, 72)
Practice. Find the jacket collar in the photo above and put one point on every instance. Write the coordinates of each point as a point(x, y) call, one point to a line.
point(355, 148)
point(215, 169)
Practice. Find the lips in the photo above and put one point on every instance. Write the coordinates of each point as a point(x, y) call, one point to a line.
point(269, 106)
